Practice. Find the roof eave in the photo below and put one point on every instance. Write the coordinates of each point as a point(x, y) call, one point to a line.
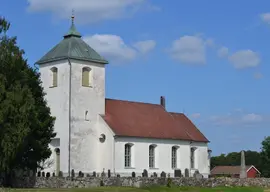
point(121, 135)
point(40, 62)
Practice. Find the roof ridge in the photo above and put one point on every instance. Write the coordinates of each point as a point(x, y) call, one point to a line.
point(139, 102)
point(178, 113)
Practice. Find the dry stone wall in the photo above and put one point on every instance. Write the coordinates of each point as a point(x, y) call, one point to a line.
point(87, 182)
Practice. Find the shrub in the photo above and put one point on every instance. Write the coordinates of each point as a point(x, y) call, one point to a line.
point(133, 174)
point(169, 182)
point(118, 175)
point(88, 175)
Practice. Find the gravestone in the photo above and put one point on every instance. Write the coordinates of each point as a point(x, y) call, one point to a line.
point(177, 173)
point(198, 176)
point(186, 173)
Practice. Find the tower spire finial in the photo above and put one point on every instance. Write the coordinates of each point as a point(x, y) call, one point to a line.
point(72, 30)
point(72, 16)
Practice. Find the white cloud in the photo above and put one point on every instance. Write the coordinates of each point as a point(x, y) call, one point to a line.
point(252, 117)
point(90, 10)
point(265, 17)
point(239, 118)
point(244, 59)
point(113, 47)
point(145, 46)
point(189, 49)
point(223, 51)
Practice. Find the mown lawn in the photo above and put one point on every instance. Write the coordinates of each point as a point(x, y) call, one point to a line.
point(151, 189)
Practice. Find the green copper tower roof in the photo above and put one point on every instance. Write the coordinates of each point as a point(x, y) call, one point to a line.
point(72, 47)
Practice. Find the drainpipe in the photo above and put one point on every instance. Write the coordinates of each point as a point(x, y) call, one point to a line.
point(190, 159)
point(114, 155)
point(69, 117)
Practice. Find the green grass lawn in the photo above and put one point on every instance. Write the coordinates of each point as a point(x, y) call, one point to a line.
point(151, 189)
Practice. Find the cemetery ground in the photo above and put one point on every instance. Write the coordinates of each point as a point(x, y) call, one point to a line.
point(150, 189)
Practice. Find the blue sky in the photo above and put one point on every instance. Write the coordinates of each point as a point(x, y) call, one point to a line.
point(210, 60)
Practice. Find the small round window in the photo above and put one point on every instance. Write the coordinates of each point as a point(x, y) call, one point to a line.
point(102, 138)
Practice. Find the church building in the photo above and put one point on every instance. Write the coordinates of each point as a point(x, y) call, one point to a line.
point(96, 134)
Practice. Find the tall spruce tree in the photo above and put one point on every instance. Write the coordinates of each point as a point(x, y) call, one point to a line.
point(26, 125)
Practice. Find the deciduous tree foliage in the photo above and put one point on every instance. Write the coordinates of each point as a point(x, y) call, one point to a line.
point(265, 157)
point(234, 158)
point(261, 160)
point(26, 125)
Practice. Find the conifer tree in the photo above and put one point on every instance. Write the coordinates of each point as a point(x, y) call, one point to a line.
point(26, 124)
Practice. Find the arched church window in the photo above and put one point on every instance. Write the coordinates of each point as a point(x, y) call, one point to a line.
point(192, 157)
point(54, 76)
point(174, 156)
point(128, 148)
point(152, 154)
point(86, 77)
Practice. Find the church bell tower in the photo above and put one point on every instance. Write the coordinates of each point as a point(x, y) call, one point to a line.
point(73, 78)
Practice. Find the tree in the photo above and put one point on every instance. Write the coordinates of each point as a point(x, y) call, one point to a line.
point(234, 159)
point(26, 125)
point(265, 157)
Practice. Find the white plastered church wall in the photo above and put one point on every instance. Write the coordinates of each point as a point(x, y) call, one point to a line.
point(58, 100)
point(84, 133)
point(163, 155)
point(106, 156)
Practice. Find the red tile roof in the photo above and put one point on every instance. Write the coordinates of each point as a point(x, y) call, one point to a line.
point(227, 170)
point(135, 119)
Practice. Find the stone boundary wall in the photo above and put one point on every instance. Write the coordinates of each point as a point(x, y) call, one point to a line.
point(87, 182)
